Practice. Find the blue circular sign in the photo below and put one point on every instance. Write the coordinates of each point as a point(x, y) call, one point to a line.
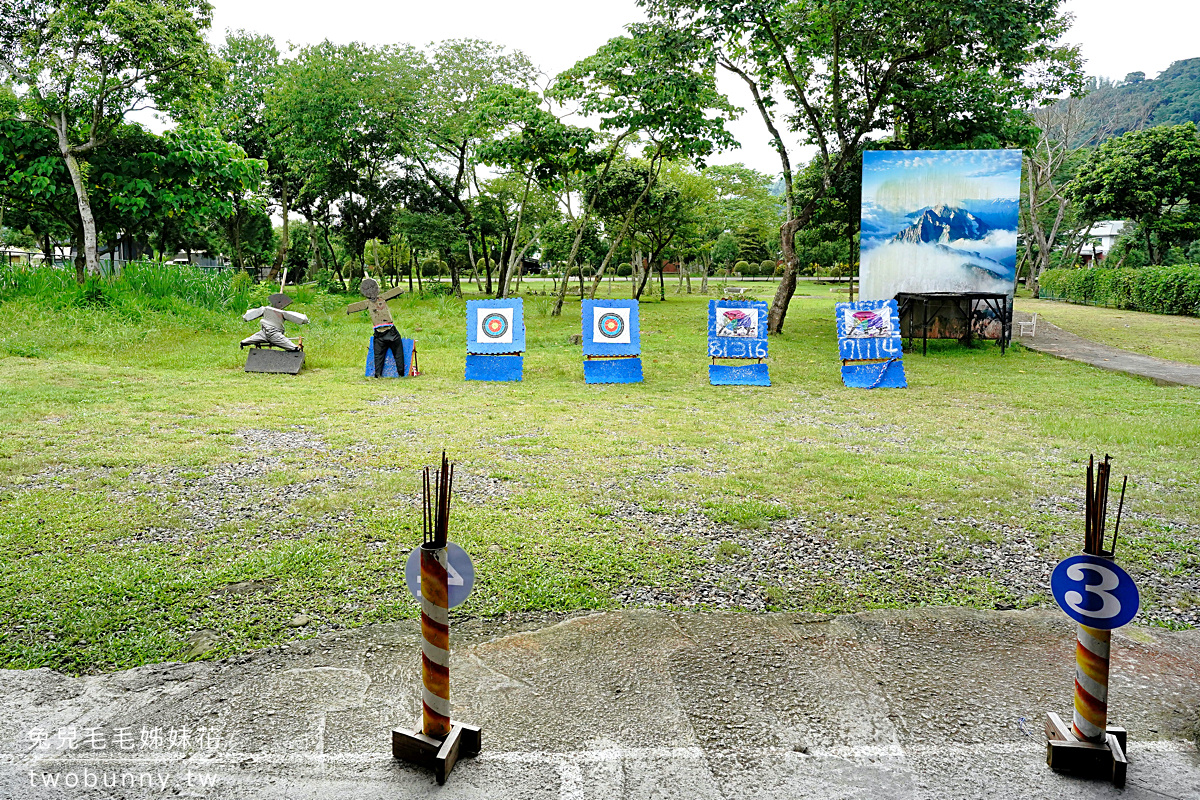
point(460, 574)
point(1094, 591)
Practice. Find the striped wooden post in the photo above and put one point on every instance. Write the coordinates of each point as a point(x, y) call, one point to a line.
point(435, 645)
point(1091, 684)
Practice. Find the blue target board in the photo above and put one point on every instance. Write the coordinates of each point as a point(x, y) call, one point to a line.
point(869, 344)
point(495, 327)
point(1094, 591)
point(737, 329)
point(610, 328)
point(460, 574)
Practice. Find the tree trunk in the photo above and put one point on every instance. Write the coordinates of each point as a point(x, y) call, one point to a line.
point(455, 286)
point(337, 268)
point(562, 290)
point(313, 245)
point(487, 261)
point(787, 282)
point(284, 241)
point(583, 218)
point(474, 265)
point(516, 238)
point(90, 256)
point(704, 267)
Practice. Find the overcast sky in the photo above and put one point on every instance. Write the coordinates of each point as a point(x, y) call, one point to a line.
point(1116, 37)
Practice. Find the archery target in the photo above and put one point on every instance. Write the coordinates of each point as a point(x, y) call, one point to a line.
point(610, 325)
point(494, 326)
point(867, 323)
point(739, 323)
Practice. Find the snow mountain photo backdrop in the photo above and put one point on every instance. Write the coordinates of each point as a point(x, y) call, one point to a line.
point(939, 221)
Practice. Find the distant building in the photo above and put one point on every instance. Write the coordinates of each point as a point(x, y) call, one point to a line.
point(1101, 239)
point(199, 258)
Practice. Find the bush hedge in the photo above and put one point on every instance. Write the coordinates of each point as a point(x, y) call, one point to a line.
point(1158, 290)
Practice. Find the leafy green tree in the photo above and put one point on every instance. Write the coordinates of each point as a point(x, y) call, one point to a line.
point(1151, 177)
point(851, 68)
point(81, 65)
point(747, 209)
point(658, 82)
point(175, 187)
point(346, 113)
point(35, 189)
point(245, 111)
point(726, 249)
point(450, 123)
point(539, 148)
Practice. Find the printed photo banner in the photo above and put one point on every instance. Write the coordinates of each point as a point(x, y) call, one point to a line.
point(737, 329)
point(938, 221)
point(495, 326)
point(610, 328)
point(869, 344)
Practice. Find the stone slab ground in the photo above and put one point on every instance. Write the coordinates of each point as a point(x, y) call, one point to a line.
point(932, 703)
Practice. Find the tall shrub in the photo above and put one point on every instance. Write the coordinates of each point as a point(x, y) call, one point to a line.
point(1158, 290)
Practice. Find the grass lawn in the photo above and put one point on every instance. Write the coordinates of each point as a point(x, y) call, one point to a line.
point(152, 492)
point(1160, 335)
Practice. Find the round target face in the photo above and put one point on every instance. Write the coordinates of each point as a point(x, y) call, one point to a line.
point(494, 326)
point(610, 325)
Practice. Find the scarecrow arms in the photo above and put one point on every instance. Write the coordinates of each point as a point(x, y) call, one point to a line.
point(294, 316)
point(254, 313)
point(361, 305)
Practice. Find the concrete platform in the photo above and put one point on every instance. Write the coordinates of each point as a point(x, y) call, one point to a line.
point(934, 703)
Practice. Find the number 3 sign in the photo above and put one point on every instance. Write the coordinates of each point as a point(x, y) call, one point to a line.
point(1094, 592)
point(460, 574)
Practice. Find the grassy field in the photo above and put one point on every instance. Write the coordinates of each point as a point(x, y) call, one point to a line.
point(153, 495)
point(1159, 335)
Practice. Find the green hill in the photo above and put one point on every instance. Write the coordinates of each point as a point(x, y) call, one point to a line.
point(1115, 107)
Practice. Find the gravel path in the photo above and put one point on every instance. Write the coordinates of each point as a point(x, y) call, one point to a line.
point(792, 563)
point(769, 569)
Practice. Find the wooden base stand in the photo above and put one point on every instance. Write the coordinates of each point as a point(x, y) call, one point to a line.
point(417, 748)
point(1065, 753)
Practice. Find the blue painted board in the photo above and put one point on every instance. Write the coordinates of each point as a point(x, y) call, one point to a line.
point(870, 348)
point(503, 330)
point(879, 375)
point(737, 329)
point(738, 375)
point(494, 368)
point(611, 328)
point(613, 370)
point(389, 364)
